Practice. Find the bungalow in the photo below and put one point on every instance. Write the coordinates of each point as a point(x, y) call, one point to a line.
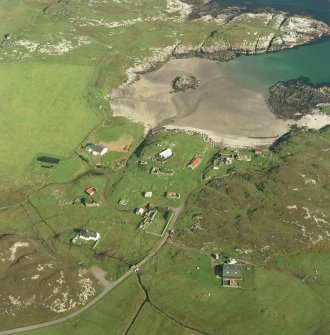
point(95, 149)
point(90, 191)
point(195, 162)
point(232, 275)
point(166, 154)
point(88, 235)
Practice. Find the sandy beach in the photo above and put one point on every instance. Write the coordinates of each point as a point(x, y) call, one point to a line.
point(221, 107)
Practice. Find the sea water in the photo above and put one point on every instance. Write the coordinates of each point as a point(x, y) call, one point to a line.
point(311, 61)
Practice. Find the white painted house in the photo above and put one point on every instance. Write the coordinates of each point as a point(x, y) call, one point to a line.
point(88, 235)
point(166, 154)
point(95, 149)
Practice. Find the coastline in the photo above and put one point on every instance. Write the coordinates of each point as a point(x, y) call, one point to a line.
point(148, 104)
point(222, 108)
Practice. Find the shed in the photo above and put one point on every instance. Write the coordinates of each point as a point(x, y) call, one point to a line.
point(172, 195)
point(194, 162)
point(90, 191)
point(96, 149)
point(166, 154)
point(88, 235)
point(139, 211)
point(232, 275)
point(7, 36)
point(147, 194)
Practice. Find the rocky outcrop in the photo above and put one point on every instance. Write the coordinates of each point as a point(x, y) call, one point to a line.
point(239, 33)
point(184, 83)
point(296, 98)
point(253, 33)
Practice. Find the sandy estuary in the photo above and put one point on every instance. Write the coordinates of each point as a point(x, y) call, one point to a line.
point(230, 112)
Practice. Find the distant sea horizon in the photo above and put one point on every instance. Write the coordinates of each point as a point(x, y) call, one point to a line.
point(311, 61)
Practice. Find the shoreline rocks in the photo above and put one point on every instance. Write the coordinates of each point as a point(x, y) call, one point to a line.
point(296, 98)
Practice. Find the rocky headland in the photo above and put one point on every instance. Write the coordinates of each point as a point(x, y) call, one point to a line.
point(296, 98)
point(237, 33)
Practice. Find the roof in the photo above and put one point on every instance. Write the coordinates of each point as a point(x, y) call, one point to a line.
point(96, 148)
point(87, 233)
point(90, 190)
point(232, 271)
point(166, 153)
point(195, 162)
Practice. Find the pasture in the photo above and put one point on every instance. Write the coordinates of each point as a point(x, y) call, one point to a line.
point(43, 110)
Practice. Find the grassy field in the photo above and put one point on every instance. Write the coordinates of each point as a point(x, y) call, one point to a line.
point(113, 315)
point(56, 71)
point(137, 179)
point(262, 211)
point(43, 112)
point(150, 321)
point(280, 303)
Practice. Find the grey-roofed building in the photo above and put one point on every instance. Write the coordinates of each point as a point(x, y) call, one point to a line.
point(96, 149)
point(89, 235)
point(232, 275)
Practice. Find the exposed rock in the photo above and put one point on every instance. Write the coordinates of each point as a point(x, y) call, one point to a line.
point(295, 98)
point(184, 83)
point(239, 33)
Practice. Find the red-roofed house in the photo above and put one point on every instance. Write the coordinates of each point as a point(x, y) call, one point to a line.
point(90, 191)
point(195, 162)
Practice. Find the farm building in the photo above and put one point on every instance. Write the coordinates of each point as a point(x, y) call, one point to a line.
point(232, 275)
point(166, 154)
point(147, 194)
point(90, 191)
point(88, 235)
point(95, 149)
point(139, 211)
point(194, 162)
point(92, 204)
point(172, 195)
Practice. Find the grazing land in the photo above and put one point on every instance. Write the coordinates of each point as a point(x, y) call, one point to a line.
point(67, 214)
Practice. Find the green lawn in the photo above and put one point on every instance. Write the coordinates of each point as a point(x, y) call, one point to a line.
point(43, 110)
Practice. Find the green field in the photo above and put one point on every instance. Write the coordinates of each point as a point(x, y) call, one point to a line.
point(113, 315)
point(271, 213)
point(43, 110)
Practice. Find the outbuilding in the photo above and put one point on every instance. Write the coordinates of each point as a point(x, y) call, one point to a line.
point(90, 191)
point(194, 162)
point(139, 211)
point(166, 154)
